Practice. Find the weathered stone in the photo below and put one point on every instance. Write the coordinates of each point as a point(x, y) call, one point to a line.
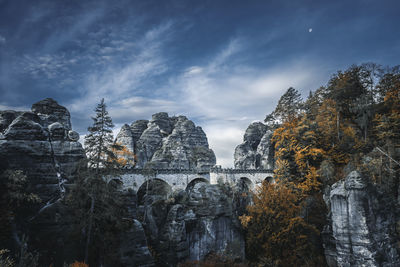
point(265, 152)
point(149, 142)
point(191, 227)
point(6, 117)
point(361, 232)
point(138, 128)
point(73, 136)
point(57, 131)
point(125, 137)
point(26, 127)
point(256, 151)
point(133, 248)
point(167, 142)
point(50, 111)
point(162, 120)
point(245, 157)
point(35, 143)
point(254, 133)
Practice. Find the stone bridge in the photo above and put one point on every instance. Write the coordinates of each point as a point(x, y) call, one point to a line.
point(137, 179)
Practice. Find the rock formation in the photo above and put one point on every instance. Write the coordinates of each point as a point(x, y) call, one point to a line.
point(42, 144)
point(188, 225)
point(256, 151)
point(361, 231)
point(167, 142)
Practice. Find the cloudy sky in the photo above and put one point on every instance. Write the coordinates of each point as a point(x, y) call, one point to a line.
point(223, 64)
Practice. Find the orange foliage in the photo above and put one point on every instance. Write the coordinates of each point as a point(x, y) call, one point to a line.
point(79, 264)
point(275, 230)
point(123, 156)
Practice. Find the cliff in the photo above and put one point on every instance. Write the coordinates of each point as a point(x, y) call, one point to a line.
point(167, 142)
point(362, 224)
point(256, 151)
point(42, 143)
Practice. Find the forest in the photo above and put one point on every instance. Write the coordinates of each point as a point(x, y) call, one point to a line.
point(352, 123)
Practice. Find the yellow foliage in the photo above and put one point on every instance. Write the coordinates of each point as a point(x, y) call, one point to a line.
point(275, 230)
point(79, 264)
point(123, 156)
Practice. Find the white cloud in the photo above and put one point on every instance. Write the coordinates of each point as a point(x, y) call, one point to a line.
point(222, 97)
point(2, 40)
point(119, 83)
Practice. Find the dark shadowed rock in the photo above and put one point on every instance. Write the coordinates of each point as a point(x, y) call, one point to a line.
point(26, 127)
point(134, 250)
point(6, 117)
point(37, 143)
point(50, 111)
point(190, 225)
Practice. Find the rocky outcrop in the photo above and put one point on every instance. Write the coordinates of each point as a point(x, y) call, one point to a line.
point(256, 151)
point(361, 231)
point(167, 142)
point(42, 144)
point(189, 225)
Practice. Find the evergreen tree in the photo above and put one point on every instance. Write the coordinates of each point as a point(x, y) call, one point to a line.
point(99, 142)
point(289, 105)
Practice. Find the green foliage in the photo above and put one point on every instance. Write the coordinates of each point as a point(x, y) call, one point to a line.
point(14, 200)
point(289, 106)
point(5, 261)
point(99, 146)
point(99, 212)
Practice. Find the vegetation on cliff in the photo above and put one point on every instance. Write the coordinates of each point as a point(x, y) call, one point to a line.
point(337, 125)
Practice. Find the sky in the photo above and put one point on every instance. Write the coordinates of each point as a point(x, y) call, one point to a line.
point(223, 64)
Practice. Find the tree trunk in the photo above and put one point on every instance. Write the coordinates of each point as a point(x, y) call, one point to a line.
point(89, 233)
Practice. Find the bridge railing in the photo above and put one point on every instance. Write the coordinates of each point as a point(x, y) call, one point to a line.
point(230, 170)
point(194, 171)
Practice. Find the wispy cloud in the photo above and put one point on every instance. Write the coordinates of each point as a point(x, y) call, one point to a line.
point(225, 98)
point(119, 83)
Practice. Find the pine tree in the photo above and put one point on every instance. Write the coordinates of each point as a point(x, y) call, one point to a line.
point(99, 142)
point(289, 105)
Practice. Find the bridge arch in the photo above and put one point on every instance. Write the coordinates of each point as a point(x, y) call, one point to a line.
point(196, 181)
point(269, 179)
point(115, 183)
point(244, 184)
point(153, 187)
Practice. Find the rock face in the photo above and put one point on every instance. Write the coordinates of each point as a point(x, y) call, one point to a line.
point(188, 225)
point(167, 142)
point(43, 145)
point(362, 225)
point(256, 151)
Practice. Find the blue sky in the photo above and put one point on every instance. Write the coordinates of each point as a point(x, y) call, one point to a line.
point(223, 64)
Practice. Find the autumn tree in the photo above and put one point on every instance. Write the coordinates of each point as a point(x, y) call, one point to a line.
point(276, 231)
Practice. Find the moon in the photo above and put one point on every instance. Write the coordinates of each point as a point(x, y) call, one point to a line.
point(310, 30)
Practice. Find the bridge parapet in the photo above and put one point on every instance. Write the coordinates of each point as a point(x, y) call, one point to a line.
point(229, 170)
point(180, 178)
